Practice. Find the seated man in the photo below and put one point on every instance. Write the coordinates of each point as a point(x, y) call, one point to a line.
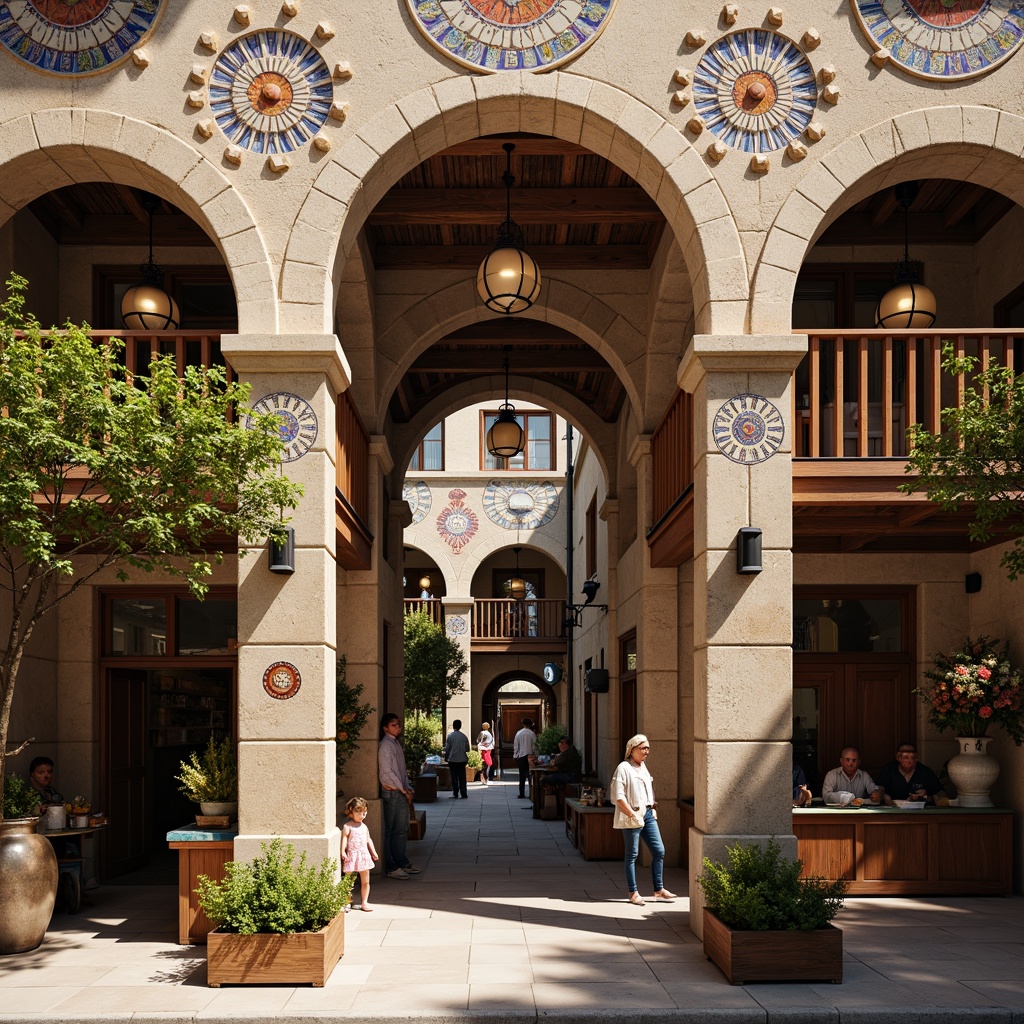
point(40, 775)
point(801, 794)
point(907, 779)
point(848, 778)
point(566, 765)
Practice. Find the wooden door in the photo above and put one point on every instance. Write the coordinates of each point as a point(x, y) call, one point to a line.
point(125, 792)
point(512, 716)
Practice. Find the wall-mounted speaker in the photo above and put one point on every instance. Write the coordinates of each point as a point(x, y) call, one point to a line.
point(972, 582)
point(596, 680)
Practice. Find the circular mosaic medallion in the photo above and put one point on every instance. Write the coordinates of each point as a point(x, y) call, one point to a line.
point(76, 37)
point(755, 90)
point(270, 92)
point(511, 35)
point(297, 422)
point(418, 497)
point(749, 429)
point(282, 680)
point(520, 506)
point(944, 39)
point(457, 524)
point(457, 625)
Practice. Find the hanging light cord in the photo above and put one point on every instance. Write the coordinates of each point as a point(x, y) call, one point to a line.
point(509, 234)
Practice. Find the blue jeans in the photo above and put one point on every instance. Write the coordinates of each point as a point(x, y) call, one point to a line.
point(652, 838)
point(396, 829)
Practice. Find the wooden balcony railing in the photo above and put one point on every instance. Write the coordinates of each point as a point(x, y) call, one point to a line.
point(189, 348)
point(352, 474)
point(540, 619)
point(858, 391)
point(431, 607)
point(672, 455)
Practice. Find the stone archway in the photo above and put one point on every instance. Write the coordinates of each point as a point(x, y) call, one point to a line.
point(490, 702)
point(50, 149)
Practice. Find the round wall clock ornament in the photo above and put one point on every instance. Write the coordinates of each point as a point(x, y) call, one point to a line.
point(749, 429)
point(511, 35)
point(270, 91)
point(755, 90)
point(282, 680)
point(514, 506)
point(944, 40)
point(418, 497)
point(297, 422)
point(457, 625)
point(76, 37)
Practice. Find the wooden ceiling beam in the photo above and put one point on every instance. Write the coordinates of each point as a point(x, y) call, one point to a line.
point(545, 361)
point(964, 200)
point(992, 209)
point(69, 213)
point(403, 207)
point(124, 229)
point(550, 257)
point(131, 201)
point(884, 206)
point(526, 145)
point(925, 229)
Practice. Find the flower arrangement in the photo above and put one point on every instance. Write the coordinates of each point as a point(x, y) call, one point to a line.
point(974, 687)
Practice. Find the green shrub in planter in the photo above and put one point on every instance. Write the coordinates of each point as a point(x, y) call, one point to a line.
point(212, 778)
point(20, 799)
point(760, 890)
point(421, 736)
point(474, 762)
point(547, 739)
point(275, 894)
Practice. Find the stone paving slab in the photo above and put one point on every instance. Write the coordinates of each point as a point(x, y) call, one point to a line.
point(506, 925)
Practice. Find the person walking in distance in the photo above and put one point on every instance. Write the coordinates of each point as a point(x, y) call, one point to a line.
point(396, 791)
point(485, 744)
point(456, 753)
point(524, 746)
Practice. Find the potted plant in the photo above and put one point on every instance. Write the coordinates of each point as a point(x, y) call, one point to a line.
point(474, 764)
point(211, 780)
point(972, 688)
point(547, 739)
point(279, 921)
point(763, 922)
point(28, 870)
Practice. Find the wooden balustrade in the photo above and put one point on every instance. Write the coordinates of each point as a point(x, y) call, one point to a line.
point(430, 606)
point(505, 619)
point(672, 454)
point(189, 348)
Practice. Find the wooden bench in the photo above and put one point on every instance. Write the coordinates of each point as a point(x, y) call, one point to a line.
point(418, 825)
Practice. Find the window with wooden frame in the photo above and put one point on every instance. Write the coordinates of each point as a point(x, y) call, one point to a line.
point(538, 455)
point(429, 454)
point(591, 538)
point(204, 295)
point(627, 686)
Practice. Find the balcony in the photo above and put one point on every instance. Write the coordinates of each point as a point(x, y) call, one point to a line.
point(501, 624)
point(854, 397)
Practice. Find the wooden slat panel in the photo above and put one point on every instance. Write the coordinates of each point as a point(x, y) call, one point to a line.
point(837, 390)
point(814, 349)
point(828, 851)
point(971, 852)
point(895, 852)
point(887, 411)
point(862, 397)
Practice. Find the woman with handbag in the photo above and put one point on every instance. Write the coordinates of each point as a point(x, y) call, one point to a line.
point(636, 814)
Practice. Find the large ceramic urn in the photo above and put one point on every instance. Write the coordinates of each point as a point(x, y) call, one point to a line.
point(973, 771)
point(28, 885)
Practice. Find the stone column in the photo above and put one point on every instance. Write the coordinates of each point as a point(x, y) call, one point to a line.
point(286, 766)
point(743, 690)
point(457, 619)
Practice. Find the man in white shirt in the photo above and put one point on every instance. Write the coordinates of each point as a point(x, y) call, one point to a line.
point(849, 778)
point(524, 746)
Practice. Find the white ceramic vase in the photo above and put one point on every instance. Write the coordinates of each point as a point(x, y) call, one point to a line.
point(973, 771)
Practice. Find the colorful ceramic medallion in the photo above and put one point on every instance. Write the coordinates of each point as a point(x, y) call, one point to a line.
point(749, 429)
point(418, 497)
point(456, 523)
point(298, 423)
point(270, 92)
point(76, 37)
point(514, 506)
point(755, 90)
point(944, 39)
point(282, 680)
point(457, 625)
point(511, 35)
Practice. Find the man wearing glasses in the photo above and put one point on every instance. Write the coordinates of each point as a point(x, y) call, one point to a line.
point(396, 792)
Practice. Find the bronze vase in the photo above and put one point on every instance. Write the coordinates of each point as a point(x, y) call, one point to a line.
point(28, 885)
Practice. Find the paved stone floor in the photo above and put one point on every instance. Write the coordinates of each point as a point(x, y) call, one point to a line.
point(507, 922)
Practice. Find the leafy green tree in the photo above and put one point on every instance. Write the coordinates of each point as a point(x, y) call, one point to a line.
point(978, 459)
point(434, 665)
point(100, 469)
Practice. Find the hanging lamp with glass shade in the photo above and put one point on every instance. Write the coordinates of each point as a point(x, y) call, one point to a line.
point(517, 585)
point(908, 304)
point(506, 438)
point(508, 280)
point(146, 306)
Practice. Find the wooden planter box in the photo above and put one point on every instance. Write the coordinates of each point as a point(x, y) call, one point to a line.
point(774, 956)
point(265, 959)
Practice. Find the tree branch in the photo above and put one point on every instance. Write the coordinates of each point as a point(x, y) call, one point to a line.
point(17, 750)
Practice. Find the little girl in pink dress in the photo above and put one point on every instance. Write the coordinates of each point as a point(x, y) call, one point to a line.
point(357, 852)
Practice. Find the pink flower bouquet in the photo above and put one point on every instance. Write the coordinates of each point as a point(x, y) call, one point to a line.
point(974, 687)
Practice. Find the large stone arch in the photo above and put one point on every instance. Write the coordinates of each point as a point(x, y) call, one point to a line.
point(50, 149)
point(606, 120)
point(976, 144)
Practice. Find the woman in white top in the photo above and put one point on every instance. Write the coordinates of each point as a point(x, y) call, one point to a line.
point(636, 814)
point(485, 744)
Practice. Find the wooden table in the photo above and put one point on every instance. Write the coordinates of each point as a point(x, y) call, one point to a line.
point(200, 852)
point(886, 851)
point(590, 831)
point(70, 864)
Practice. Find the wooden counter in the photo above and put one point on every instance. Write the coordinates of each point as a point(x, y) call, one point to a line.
point(590, 831)
point(200, 852)
point(935, 851)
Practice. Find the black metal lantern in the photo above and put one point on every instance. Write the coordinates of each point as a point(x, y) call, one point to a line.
point(146, 306)
point(506, 438)
point(508, 280)
point(909, 303)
